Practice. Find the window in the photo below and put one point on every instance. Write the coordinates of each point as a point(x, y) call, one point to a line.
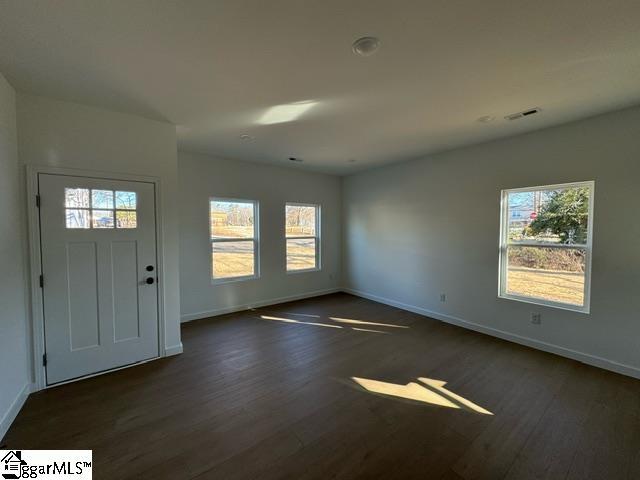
point(302, 232)
point(234, 239)
point(545, 247)
point(99, 209)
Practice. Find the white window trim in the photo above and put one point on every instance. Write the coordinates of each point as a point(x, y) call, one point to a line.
point(317, 236)
point(255, 239)
point(504, 225)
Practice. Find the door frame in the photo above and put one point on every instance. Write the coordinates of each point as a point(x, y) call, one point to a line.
point(35, 262)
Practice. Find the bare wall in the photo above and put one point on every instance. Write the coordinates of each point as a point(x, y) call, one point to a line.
point(15, 379)
point(415, 230)
point(202, 177)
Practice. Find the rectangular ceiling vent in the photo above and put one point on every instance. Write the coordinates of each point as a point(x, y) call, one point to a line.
point(526, 113)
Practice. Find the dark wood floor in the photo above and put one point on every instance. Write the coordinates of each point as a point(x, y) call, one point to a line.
point(261, 398)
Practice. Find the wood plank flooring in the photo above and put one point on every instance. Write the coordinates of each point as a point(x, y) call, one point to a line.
point(268, 394)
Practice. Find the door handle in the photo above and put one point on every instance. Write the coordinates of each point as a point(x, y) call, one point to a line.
point(149, 281)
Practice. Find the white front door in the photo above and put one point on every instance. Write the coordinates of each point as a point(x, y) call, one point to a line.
point(99, 266)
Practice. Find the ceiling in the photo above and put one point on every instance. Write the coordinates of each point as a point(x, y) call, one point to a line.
point(216, 68)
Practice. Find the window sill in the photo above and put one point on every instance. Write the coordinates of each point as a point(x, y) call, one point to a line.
point(544, 303)
point(305, 270)
point(222, 281)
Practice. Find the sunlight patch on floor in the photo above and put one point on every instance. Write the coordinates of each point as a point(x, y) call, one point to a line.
point(290, 320)
point(335, 319)
point(368, 330)
point(362, 322)
point(432, 392)
point(439, 385)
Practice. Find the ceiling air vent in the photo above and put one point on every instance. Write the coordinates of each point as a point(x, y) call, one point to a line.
point(526, 113)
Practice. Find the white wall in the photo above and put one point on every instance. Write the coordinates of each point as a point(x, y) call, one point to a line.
point(15, 379)
point(62, 134)
point(202, 177)
point(418, 229)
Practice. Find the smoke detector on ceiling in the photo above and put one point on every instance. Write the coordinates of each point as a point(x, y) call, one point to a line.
point(366, 46)
point(525, 113)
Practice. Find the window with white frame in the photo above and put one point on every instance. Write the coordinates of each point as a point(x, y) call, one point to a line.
point(234, 239)
point(302, 232)
point(545, 246)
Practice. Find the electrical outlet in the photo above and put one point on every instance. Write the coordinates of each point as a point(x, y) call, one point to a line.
point(536, 318)
point(443, 297)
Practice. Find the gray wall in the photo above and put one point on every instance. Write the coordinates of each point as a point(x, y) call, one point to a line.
point(431, 226)
point(63, 134)
point(202, 177)
point(15, 379)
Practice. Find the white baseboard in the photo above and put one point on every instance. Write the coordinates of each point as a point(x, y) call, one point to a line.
point(512, 337)
point(173, 350)
point(11, 414)
point(262, 303)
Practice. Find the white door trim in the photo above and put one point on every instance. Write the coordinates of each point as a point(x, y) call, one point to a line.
point(37, 312)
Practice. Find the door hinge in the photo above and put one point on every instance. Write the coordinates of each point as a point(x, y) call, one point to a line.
point(44, 360)
point(38, 201)
point(41, 281)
